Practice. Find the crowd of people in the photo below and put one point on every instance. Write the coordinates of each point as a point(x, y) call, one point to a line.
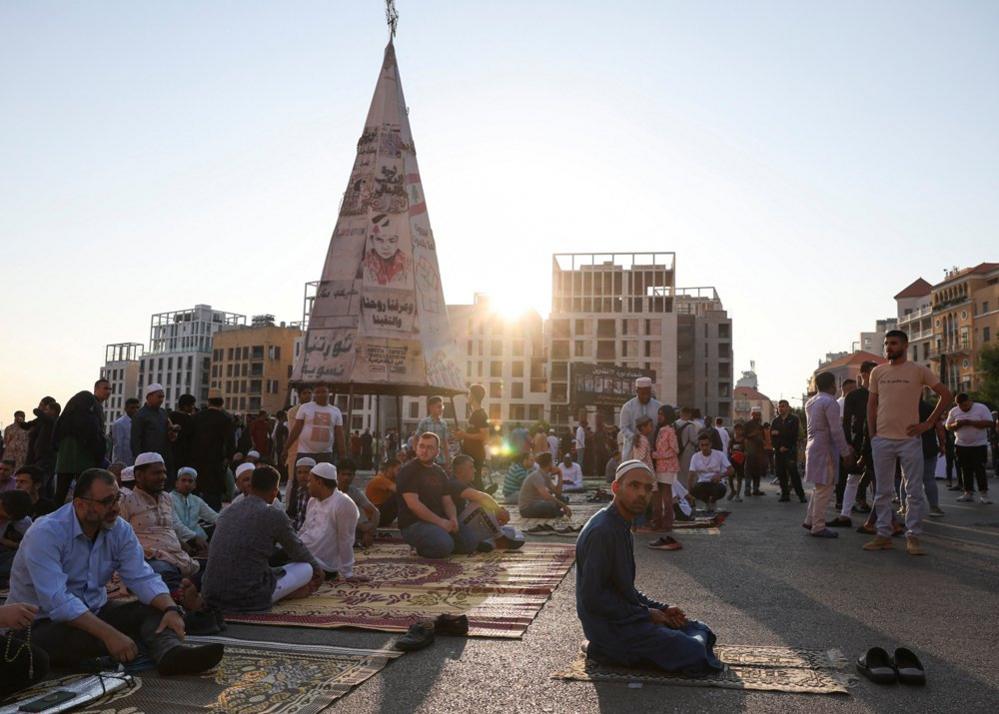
point(196, 517)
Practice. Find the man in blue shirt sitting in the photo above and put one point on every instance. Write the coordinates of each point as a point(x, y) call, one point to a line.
point(624, 626)
point(62, 567)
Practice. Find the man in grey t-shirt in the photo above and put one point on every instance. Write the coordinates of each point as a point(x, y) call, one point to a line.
point(536, 497)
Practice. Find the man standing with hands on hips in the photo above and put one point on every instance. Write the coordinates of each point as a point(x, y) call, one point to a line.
point(895, 429)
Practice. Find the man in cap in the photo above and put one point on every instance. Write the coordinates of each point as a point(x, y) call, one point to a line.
point(625, 627)
point(150, 426)
point(165, 540)
point(191, 510)
point(239, 576)
point(330, 523)
point(298, 502)
point(61, 568)
point(126, 480)
point(642, 404)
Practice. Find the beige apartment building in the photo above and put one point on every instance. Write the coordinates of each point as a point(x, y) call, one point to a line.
point(251, 365)
point(965, 310)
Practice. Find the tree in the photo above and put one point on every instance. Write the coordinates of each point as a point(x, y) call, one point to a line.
point(988, 371)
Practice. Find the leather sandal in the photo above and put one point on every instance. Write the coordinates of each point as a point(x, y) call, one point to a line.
point(910, 670)
point(877, 666)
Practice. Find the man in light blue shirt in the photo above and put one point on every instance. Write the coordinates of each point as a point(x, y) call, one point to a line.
point(190, 509)
point(121, 434)
point(62, 567)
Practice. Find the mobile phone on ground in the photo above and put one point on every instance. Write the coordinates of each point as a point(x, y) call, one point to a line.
point(60, 696)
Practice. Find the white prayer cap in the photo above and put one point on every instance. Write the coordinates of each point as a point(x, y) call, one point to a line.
point(306, 461)
point(325, 471)
point(756, 410)
point(154, 387)
point(128, 474)
point(632, 465)
point(187, 471)
point(149, 457)
point(253, 454)
point(643, 382)
point(243, 468)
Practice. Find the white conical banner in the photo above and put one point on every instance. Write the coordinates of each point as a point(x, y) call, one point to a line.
point(379, 321)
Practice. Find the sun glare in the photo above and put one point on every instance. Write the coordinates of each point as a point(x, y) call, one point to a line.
point(510, 305)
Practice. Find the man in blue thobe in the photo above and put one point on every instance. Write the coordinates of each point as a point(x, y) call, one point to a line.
point(624, 626)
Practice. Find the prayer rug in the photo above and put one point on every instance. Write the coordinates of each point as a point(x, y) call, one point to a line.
point(581, 513)
point(501, 592)
point(774, 669)
point(253, 677)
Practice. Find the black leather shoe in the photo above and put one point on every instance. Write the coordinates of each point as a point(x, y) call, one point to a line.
point(417, 637)
point(454, 625)
point(190, 659)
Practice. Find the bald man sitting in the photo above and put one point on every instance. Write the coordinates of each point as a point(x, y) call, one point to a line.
point(625, 627)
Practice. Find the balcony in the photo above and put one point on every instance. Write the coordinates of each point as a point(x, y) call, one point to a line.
point(951, 349)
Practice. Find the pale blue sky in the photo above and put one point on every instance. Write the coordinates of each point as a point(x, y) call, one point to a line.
point(808, 159)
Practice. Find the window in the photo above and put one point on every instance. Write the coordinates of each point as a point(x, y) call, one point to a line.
point(985, 306)
point(724, 349)
point(517, 411)
point(517, 390)
point(274, 352)
point(560, 349)
point(579, 348)
point(495, 369)
point(518, 370)
point(605, 349)
point(580, 327)
point(560, 328)
point(495, 390)
point(495, 412)
point(518, 348)
point(414, 410)
point(724, 331)
point(986, 334)
point(606, 328)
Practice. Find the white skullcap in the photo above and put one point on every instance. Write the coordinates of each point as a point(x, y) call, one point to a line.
point(128, 474)
point(643, 382)
point(149, 457)
point(243, 468)
point(154, 387)
point(253, 453)
point(325, 471)
point(306, 461)
point(756, 410)
point(187, 471)
point(631, 465)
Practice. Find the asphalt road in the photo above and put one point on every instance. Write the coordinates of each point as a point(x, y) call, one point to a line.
point(762, 580)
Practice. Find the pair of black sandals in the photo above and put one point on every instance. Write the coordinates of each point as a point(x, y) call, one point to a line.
point(881, 668)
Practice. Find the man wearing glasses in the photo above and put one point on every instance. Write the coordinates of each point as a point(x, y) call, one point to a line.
point(61, 568)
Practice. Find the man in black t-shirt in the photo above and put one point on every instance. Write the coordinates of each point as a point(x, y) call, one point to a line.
point(428, 518)
point(473, 440)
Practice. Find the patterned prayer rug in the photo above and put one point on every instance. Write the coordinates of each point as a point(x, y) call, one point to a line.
point(774, 669)
point(500, 592)
point(581, 513)
point(253, 678)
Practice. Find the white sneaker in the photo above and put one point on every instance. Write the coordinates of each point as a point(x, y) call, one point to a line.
point(966, 498)
point(984, 498)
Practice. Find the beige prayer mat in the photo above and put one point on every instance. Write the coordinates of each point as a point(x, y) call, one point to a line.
point(253, 678)
point(764, 668)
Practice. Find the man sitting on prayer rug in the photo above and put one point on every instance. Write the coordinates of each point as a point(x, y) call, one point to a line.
point(623, 626)
point(539, 494)
point(428, 518)
point(369, 517)
point(61, 569)
point(330, 523)
point(381, 492)
point(239, 576)
point(166, 541)
point(190, 508)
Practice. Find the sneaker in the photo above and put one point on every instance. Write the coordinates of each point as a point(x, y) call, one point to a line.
point(879, 542)
point(738, 499)
point(825, 533)
point(912, 546)
point(984, 498)
point(936, 512)
point(966, 498)
point(866, 529)
point(840, 522)
point(731, 495)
